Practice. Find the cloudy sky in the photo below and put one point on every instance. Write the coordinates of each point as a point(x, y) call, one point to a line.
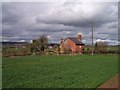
point(24, 21)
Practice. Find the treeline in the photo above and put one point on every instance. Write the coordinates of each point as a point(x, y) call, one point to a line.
point(40, 46)
point(9, 50)
point(102, 48)
point(102, 52)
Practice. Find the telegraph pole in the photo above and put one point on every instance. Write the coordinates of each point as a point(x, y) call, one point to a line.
point(92, 41)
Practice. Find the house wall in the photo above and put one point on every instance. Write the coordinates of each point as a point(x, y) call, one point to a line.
point(73, 46)
point(79, 48)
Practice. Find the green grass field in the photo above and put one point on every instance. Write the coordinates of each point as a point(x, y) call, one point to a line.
point(83, 71)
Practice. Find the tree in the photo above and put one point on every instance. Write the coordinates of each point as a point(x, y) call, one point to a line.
point(34, 46)
point(58, 50)
point(101, 47)
point(39, 44)
point(42, 42)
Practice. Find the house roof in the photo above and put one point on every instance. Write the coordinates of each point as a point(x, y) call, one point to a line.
point(75, 40)
point(53, 44)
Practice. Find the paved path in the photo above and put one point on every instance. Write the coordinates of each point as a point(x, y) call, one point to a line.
point(112, 84)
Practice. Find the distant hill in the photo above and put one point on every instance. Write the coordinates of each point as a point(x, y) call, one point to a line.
point(12, 43)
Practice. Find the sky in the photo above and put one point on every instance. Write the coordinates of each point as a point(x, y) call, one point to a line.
point(25, 21)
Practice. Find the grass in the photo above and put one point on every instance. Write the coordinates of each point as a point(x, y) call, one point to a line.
point(83, 71)
point(113, 48)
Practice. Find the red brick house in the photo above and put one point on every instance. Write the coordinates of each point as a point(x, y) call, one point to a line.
point(73, 43)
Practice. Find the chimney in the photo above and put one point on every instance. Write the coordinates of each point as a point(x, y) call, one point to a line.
point(61, 41)
point(79, 37)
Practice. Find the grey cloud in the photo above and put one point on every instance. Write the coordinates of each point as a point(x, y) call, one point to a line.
point(9, 14)
point(113, 26)
point(68, 16)
point(26, 21)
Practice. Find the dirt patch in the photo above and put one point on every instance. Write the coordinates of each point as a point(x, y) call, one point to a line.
point(113, 83)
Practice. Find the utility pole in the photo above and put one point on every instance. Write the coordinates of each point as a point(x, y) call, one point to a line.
point(92, 41)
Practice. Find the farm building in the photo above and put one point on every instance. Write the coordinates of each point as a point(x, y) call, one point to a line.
point(72, 43)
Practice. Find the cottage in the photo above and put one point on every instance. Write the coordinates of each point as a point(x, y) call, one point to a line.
point(73, 43)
